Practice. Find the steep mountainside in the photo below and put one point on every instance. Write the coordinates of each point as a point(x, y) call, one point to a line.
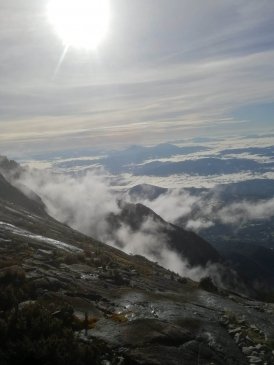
point(254, 263)
point(246, 244)
point(16, 197)
point(80, 301)
point(187, 244)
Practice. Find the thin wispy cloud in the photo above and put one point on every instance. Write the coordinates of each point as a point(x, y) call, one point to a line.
point(173, 67)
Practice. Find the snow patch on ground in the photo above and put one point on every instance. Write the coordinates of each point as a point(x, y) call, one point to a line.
point(21, 232)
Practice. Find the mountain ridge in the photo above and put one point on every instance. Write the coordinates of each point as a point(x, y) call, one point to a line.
point(185, 243)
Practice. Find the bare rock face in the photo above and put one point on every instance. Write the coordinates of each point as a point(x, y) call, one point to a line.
point(12, 195)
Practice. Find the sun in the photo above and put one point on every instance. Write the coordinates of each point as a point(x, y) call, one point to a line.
point(80, 23)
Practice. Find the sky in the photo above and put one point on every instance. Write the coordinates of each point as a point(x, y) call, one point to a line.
point(167, 69)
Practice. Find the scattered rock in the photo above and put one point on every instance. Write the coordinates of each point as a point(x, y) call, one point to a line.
point(254, 360)
point(247, 350)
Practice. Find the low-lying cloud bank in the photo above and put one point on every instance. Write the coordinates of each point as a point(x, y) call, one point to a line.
point(202, 211)
point(246, 211)
point(85, 204)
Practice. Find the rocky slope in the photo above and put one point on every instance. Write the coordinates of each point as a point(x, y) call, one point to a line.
point(137, 311)
point(187, 244)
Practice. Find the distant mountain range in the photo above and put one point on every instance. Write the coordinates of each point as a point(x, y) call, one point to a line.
point(202, 166)
point(267, 151)
point(123, 161)
point(147, 161)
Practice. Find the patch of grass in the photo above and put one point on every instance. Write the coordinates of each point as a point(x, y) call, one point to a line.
point(119, 317)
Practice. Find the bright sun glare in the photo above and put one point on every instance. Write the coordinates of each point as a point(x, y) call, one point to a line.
point(80, 23)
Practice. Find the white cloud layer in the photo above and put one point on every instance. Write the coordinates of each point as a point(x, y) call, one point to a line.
point(85, 203)
point(201, 211)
